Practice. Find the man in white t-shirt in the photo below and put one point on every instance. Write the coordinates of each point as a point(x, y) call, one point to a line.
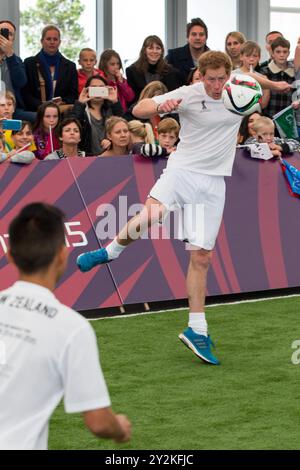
point(192, 181)
point(48, 351)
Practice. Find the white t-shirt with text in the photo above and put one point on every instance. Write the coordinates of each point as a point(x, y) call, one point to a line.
point(48, 352)
point(208, 133)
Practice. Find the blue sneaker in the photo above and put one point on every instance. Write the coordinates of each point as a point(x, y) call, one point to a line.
point(90, 259)
point(200, 345)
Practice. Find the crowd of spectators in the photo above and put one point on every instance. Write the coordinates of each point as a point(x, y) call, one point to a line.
point(87, 111)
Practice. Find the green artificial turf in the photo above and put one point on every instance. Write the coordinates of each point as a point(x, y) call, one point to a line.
point(250, 401)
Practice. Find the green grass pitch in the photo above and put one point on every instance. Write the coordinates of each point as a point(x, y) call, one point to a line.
point(250, 401)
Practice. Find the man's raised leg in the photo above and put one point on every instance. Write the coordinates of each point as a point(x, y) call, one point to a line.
point(151, 213)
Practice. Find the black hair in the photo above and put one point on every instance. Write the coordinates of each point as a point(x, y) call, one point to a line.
point(196, 22)
point(35, 236)
point(41, 112)
point(24, 124)
point(244, 131)
point(88, 83)
point(65, 122)
point(280, 42)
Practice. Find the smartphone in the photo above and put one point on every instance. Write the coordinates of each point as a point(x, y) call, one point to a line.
point(4, 32)
point(56, 98)
point(98, 92)
point(11, 124)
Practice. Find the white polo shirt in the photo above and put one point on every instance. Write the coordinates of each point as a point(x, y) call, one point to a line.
point(208, 133)
point(48, 352)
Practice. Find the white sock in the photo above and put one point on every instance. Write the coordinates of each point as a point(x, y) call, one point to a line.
point(198, 323)
point(114, 249)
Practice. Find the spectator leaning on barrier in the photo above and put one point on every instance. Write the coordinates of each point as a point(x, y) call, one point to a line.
point(186, 57)
point(46, 124)
point(7, 109)
point(22, 139)
point(263, 132)
point(69, 134)
point(117, 132)
point(50, 75)
point(12, 69)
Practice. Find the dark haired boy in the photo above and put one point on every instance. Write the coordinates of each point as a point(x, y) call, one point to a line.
point(277, 70)
point(49, 352)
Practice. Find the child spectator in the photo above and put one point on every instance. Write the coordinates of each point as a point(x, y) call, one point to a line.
point(92, 112)
point(246, 127)
point(168, 132)
point(154, 88)
point(264, 131)
point(7, 108)
point(233, 43)
point(296, 95)
point(250, 56)
point(277, 70)
point(140, 133)
point(7, 105)
point(3, 154)
point(87, 60)
point(117, 132)
point(70, 133)
point(22, 141)
point(270, 37)
point(48, 117)
point(110, 63)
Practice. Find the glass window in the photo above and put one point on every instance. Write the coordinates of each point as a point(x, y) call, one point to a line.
point(285, 3)
point(208, 11)
point(288, 25)
point(30, 35)
point(286, 22)
point(133, 21)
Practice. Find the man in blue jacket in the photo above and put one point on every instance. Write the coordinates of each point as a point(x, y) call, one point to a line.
point(186, 58)
point(12, 69)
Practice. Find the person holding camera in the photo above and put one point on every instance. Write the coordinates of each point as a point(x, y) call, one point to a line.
point(12, 69)
point(96, 103)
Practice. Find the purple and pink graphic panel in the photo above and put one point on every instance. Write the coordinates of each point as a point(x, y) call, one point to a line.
point(256, 247)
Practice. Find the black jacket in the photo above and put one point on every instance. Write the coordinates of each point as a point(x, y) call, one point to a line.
point(137, 80)
point(181, 59)
point(79, 111)
point(66, 86)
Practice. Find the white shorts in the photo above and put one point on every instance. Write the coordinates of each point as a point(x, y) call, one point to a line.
point(200, 202)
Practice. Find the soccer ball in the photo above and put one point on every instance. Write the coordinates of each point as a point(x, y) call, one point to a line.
point(242, 95)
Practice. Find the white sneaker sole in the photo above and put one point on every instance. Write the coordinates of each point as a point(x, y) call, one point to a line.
point(190, 345)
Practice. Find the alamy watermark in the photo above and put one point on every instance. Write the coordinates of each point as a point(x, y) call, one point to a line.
point(295, 359)
point(151, 221)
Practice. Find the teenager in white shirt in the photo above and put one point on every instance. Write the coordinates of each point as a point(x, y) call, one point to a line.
point(49, 351)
